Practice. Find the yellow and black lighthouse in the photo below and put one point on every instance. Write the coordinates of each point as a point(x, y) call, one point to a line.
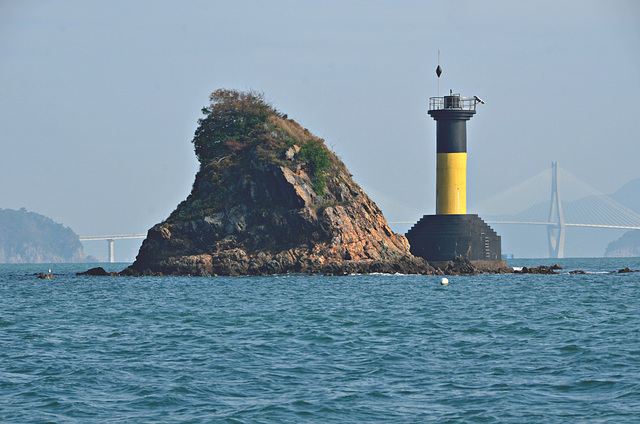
point(451, 231)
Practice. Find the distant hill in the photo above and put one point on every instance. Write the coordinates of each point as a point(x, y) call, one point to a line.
point(629, 195)
point(626, 246)
point(28, 237)
point(629, 244)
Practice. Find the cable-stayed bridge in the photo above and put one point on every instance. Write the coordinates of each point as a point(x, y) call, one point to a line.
point(557, 199)
point(553, 199)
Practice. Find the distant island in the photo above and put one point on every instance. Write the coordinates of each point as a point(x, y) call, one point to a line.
point(629, 244)
point(28, 237)
point(626, 246)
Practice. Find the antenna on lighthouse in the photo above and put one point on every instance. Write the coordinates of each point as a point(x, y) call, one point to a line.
point(438, 72)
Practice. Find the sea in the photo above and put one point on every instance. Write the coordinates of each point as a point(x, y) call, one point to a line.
point(513, 348)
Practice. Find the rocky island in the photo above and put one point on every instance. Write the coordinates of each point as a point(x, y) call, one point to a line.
point(29, 237)
point(270, 198)
point(626, 246)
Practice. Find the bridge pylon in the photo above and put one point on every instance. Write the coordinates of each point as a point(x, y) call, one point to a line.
point(556, 227)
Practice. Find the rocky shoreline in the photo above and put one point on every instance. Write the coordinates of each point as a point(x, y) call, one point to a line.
point(407, 264)
point(457, 267)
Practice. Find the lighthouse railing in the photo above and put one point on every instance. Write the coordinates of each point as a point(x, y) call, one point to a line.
point(453, 102)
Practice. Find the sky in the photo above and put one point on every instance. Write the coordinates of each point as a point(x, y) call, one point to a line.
point(99, 100)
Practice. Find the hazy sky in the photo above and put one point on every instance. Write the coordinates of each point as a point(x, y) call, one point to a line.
point(99, 99)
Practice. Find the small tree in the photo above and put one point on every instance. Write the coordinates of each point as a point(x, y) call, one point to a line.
point(230, 118)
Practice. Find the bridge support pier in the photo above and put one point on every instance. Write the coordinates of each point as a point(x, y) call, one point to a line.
point(110, 239)
point(110, 257)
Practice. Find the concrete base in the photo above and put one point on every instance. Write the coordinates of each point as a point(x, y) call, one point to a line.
point(440, 238)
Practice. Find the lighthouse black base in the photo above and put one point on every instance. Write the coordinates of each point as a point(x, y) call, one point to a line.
point(440, 238)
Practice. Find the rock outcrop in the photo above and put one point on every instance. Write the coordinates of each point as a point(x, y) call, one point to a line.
point(463, 266)
point(542, 269)
point(270, 198)
point(97, 271)
point(627, 270)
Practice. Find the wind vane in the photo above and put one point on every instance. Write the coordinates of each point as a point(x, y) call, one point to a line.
point(438, 72)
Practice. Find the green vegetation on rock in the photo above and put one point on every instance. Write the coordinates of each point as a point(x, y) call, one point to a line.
point(233, 123)
point(317, 156)
point(239, 141)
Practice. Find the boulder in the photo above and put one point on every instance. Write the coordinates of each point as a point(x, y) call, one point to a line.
point(460, 266)
point(626, 270)
point(97, 271)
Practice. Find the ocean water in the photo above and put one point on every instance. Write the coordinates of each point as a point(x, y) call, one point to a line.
point(314, 349)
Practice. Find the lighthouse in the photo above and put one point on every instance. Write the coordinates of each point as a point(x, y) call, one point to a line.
point(452, 231)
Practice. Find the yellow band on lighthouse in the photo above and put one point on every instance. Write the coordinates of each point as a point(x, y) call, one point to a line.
point(451, 184)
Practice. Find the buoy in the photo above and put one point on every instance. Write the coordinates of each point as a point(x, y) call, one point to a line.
point(444, 281)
